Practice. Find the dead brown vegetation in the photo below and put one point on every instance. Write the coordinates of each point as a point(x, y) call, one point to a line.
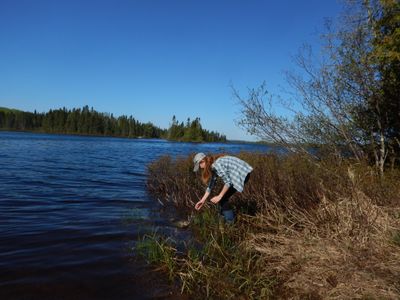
point(320, 230)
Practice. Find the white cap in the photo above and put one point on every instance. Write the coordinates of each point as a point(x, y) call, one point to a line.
point(197, 159)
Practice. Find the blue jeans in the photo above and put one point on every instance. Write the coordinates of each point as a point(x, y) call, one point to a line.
point(229, 215)
point(226, 209)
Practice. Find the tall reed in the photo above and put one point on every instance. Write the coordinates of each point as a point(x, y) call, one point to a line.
point(305, 230)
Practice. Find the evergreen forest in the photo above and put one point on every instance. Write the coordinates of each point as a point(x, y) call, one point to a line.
point(192, 131)
point(87, 121)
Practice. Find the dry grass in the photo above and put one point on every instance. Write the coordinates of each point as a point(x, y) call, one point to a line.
point(343, 252)
point(326, 231)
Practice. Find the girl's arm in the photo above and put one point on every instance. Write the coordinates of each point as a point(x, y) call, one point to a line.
point(202, 200)
point(218, 198)
point(210, 186)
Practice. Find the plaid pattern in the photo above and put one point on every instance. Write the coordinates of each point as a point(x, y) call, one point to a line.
point(232, 170)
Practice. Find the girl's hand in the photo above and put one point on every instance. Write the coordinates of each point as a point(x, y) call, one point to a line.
point(199, 204)
point(216, 199)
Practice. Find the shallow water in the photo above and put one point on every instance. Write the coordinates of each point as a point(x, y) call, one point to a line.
point(72, 209)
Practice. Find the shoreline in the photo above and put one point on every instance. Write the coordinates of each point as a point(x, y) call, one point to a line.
point(313, 233)
point(133, 138)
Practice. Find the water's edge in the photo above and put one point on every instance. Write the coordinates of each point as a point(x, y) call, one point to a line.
point(72, 209)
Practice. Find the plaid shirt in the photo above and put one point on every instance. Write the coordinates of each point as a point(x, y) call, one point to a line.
point(232, 170)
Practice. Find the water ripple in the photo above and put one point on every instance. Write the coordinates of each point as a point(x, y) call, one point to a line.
point(70, 205)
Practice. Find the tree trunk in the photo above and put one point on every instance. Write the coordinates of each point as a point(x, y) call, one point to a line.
point(382, 154)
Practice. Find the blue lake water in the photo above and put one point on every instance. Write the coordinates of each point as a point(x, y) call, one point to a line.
point(72, 209)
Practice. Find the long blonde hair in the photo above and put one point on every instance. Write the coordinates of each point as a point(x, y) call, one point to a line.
point(206, 172)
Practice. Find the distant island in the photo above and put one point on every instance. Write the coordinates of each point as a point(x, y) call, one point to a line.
point(192, 132)
point(87, 121)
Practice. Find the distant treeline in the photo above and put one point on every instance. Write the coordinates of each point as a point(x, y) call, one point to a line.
point(77, 121)
point(192, 131)
point(87, 121)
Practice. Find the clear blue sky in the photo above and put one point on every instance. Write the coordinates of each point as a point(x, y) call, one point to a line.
point(151, 58)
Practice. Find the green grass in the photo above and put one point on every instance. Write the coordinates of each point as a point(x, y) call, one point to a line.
point(158, 250)
point(213, 265)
